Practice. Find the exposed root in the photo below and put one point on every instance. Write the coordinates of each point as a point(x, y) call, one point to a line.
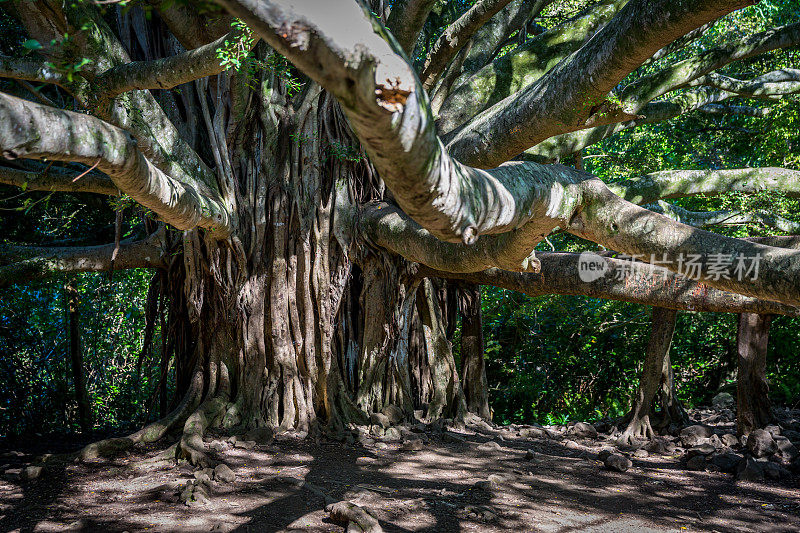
point(639, 428)
point(357, 518)
point(151, 432)
point(191, 446)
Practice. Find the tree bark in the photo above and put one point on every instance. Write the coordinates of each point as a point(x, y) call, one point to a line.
point(752, 390)
point(656, 377)
point(76, 356)
point(473, 365)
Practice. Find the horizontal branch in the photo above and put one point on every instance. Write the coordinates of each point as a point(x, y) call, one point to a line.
point(169, 72)
point(522, 66)
point(58, 180)
point(645, 89)
point(455, 37)
point(772, 85)
point(572, 95)
point(24, 263)
point(682, 183)
point(29, 70)
point(621, 280)
point(34, 131)
point(723, 217)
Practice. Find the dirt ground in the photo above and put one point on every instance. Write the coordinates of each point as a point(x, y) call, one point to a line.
point(445, 486)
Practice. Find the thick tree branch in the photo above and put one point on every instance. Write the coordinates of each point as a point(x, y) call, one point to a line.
point(168, 72)
point(622, 280)
point(522, 67)
point(647, 88)
point(572, 95)
point(29, 70)
point(455, 37)
point(771, 86)
point(34, 131)
point(406, 20)
point(58, 180)
point(723, 217)
point(24, 263)
point(669, 184)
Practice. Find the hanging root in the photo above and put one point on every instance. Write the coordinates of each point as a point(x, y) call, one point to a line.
point(357, 518)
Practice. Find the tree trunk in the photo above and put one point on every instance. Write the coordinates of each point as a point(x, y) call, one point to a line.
point(752, 390)
point(472, 352)
point(76, 356)
point(656, 378)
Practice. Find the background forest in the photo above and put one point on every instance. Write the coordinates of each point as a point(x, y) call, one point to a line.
point(549, 359)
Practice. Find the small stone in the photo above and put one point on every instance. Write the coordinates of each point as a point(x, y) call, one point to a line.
point(785, 449)
point(729, 439)
point(223, 473)
point(13, 473)
point(391, 434)
point(529, 455)
point(716, 442)
point(694, 435)
point(772, 470)
point(760, 443)
point(602, 455)
point(703, 449)
point(202, 477)
point(533, 433)
point(698, 462)
point(723, 400)
point(380, 419)
point(245, 444)
point(750, 470)
point(490, 446)
point(497, 479)
point(32, 472)
point(773, 430)
point(394, 414)
point(661, 446)
point(726, 462)
point(219, 446)
point(414, 445)
point(572, 445)
point(641, 453)
point(618, 463)
point(582, 430)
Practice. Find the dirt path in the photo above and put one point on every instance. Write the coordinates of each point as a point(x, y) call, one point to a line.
point(445, 486)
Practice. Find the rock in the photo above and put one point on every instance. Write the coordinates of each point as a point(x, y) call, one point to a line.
point(13, 474)
point(716, 442)
point(602, 455)
point(393, 413)
point(760, 443)
point(698, 462)
point(262, 436)
point(533, 433)
point(618, 463)
point(529, 454)
point(365, 440)
point(729, 439)
point(785, 449)
point(380, 419)
point(219, 446)
point(726, 415)
point(202, 477)
point(582, 430)
point(490, 446)
point(703, 449)
point(31, 472)
point(572, 445)
point(641, 453)
point(726, 462)
point(414, 445)
point(391, 434)
point(660, 447)
point(723, 400)
point(772, 470)
point(486, 485)
point(245, 444)
point(773, 430)
point(694, 435)
point(497, 479)
point(223, 473)
point(750, 470)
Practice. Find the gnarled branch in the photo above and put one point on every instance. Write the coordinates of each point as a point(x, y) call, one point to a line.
point(58, 180)
point(34, 131)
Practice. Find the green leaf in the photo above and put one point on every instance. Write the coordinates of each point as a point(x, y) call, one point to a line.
point(32, 44)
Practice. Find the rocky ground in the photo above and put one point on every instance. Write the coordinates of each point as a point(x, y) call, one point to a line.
point(409, 476)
